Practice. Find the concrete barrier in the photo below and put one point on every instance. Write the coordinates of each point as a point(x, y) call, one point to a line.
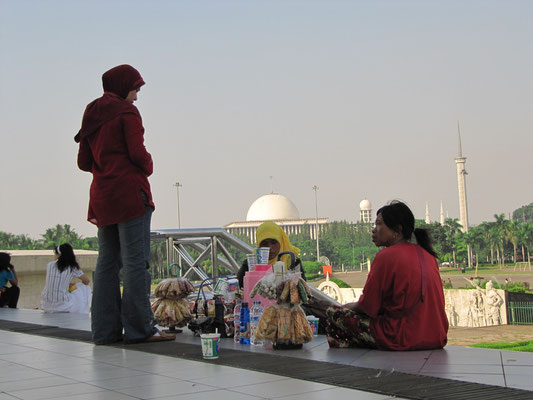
point(30, 266)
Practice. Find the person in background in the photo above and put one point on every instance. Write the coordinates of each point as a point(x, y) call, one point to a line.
point(111, 147)
point(269, 234)
point(58, 295)
point(9, 295)
point(402, 305)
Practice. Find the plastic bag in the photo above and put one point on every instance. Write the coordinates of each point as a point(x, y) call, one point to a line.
point(265, 287)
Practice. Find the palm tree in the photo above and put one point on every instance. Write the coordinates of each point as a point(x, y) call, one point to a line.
point(503, 233)
point(514, 236)
point(452, 228)
point(485, 229)
point(529, 240)
point(61, 234)
point(474, 239)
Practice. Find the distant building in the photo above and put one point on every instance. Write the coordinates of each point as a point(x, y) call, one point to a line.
point(279, 209)
point(365, 211)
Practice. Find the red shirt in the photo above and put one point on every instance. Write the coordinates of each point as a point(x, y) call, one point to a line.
point(391, 298)
point(120, 165)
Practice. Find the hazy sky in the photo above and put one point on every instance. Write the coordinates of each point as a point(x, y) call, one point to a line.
point(361, 98)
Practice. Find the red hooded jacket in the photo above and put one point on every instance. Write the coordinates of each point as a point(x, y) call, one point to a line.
point(111, 147)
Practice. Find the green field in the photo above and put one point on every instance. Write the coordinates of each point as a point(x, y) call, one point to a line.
point(526, 346)
point(487, 269)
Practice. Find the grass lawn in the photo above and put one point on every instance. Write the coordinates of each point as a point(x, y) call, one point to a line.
point(526, 346)
point(487, 269)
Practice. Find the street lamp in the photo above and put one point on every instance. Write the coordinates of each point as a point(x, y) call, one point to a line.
point(315, 188)
point(178, 185)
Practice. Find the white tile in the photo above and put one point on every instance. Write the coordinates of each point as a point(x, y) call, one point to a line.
point(6, 348)
point(105, 395)
point(518, 370)
point(53, 392)
point(463, 369)
point(170, 366)
point(34, 383)
point(5, 396)
point(165, 389)
point(338, 394)
point(17, 372)
point(196, 371)
point(241, 378)
point(466, 356)
point(93, 371)
point(132, 381)
point(131, 358)
point(213, 395)
point(281, 388)
point(517, 358)
point(519, 377)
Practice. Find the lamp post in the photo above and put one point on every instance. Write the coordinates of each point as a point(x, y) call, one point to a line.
point(315, 188)
point(178, 185)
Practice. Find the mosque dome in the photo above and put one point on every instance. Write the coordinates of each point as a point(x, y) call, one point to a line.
point(272, 206)
point(365, 205)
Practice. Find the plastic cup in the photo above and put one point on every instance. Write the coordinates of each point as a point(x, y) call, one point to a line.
point(262, 255)
point(210, 345)
point(313, 323)
point(252, 261)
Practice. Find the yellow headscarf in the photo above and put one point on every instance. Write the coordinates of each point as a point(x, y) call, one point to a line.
point(270, 230)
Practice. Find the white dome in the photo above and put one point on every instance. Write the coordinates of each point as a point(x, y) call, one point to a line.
point(365, 205)
point(272, 207)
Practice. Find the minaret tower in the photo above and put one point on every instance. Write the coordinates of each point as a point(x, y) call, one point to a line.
point(460, 161)
point(441, 213)
point(428, 221)
point(365, 211)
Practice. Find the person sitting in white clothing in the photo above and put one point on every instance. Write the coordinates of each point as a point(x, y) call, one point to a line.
point(59, 294)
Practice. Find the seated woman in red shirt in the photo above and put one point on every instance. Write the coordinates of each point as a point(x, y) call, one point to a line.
point(402, 305)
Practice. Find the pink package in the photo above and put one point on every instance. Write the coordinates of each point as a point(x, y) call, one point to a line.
point(262, 267)
point(250, 279)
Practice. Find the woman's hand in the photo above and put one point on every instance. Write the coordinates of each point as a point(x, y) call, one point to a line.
point(353, 306)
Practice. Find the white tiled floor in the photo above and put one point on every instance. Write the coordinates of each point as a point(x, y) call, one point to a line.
point(36, 367)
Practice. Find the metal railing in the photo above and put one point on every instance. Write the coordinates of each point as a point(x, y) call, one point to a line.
point(520, 313)
point(190, 247)
point(206, 243)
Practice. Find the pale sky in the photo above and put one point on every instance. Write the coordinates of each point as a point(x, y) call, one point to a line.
point(361, 98)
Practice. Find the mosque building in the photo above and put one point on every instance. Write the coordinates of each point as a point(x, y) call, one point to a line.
point(279, 209)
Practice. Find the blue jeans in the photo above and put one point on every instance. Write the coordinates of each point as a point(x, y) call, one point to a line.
point(123, 246)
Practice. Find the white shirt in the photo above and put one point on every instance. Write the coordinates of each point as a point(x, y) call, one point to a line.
point(55, 294)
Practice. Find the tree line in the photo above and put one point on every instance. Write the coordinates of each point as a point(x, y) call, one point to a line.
point(55, 236)
point(342, 243)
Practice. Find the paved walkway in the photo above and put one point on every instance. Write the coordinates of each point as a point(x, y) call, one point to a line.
point(36, 367)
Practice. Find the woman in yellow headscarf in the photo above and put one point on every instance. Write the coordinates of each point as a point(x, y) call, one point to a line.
point(269, 234)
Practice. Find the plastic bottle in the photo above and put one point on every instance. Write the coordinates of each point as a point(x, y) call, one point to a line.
point(237, 321)
point(245, 324)
point(255, 316)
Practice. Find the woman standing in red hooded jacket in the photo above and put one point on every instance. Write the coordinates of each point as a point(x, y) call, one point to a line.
point(111, 147)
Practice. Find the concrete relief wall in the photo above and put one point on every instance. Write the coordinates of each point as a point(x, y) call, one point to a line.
point(467, 308)
point(476, 307)
point(342, 295)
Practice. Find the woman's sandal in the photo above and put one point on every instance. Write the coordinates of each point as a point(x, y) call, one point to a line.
point(160, 337)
